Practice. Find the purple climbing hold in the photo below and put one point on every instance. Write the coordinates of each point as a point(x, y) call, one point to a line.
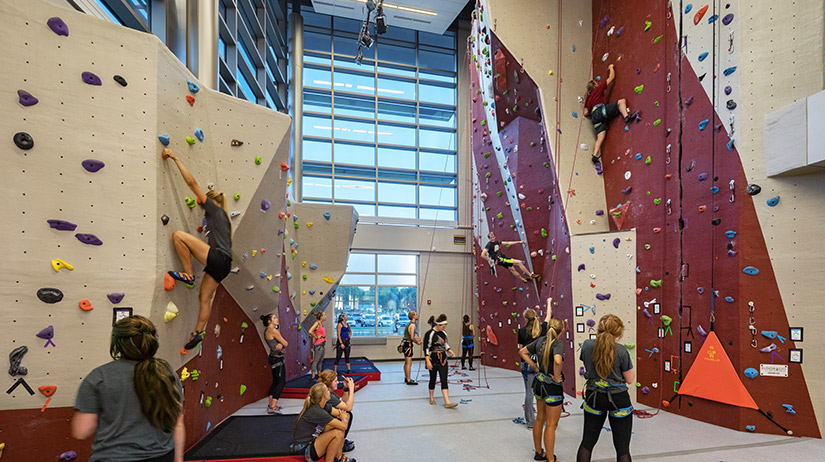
point(68, 456)
point(26, 99)
point(645, 390)
point(616, 242)
point(115, 298)
point(90, 78)
point(581, 267)
point(49, 295)
point(92, 165)
point(703, 176)
point(689, 101)
point(61, 225)
point(591, 323)
point(582, 371)
point(604, 20)
point(90, 239)
point(701, 290)
point(701, 331)
point(602, 296)
point(627, 190)
point(58, 26)
point(727, 19)
point(46, 333)
point(620, 32)
point(728, 90)
point(599, 212)
point(265, 205)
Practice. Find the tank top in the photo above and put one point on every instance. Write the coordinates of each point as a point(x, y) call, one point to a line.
point(276, 357)
point(345, 333)
point(407, 336)
point(320, 335)
point(466, 332)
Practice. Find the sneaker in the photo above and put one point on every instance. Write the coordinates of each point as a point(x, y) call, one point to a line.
point(348, 446)
point(194, 339)
point(463, 367)
point(183, 277)
point(540, 456)
point(411, 382)
point(472, 368)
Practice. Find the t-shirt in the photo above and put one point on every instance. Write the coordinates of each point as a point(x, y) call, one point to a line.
point(536, 348)
point(218, 227)
point(621, 363)
point(435, 341)
point(494, 250)
point(596, 96)
point(123, 432)
point(311, 424)
point(525, 335)
point(334, 401)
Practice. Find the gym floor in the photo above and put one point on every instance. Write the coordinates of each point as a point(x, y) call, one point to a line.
point(394, 421)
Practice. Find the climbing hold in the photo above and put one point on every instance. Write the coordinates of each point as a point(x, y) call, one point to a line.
point(727, 19)
point(750, 270)
point(666, 320)
point(716, 221)
point(655, 283)
point(329, 280)
point(604, 56)
point(85, 305)
point(627, 190)
point(657, 122)
point(713, 18)
point(26, 99)
point(89, 239)
point(789, 408)
point(199, 134)
point(639, 89)
point(309, 224)
point(168, 282)
point(243, 389)
point(731, 104)
point(58, 26)
point(171, 312)
point(730, 234)
point(164, 139)
point(750, 428)
point(728, 90)
point(657, 200)
point(714, 189)
point(208, 401)
point(616, 242)
point(284, 167)
point(92, 165)
point(265, 205)
point(257, 160)
point(68, 456)
point(647, 246)
point(699, 15)
point(729, 299)
point(602, 296)
point(648, 160)
point(61, 225)
point(47, 333)
point(688, 7)
point(658, 39)
point(164, 219)
point(581, 267)
point(751, 373)
point(193, 87)
point(49, 295)
point(190, 140)
point(190, 99)
point(115, 298)
point(120, 80)
point(729, 71)
point(753, 189)
point(703, 56)
point(647, 25)
point(23, 141)
point(90, 78)
point(773, 201)
point(703, 124)
point(58, 264)
point(618, 33)
point(190, 201)
point(543, 232)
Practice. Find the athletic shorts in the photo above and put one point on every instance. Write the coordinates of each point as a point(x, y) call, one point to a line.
point(551, 393)
point(307, 449)
point(218, 264)
point(603, 114)
point(505, 262)
point(407, 348)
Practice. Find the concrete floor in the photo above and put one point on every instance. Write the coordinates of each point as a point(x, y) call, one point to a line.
point(393, 421)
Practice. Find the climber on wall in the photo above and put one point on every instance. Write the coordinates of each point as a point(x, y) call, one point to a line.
point(216, 256)
point(601, 112)
point(492, 253)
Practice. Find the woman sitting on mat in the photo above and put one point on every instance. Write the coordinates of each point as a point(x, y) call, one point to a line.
point(216, 256)
point(407, 347)
point(316, 433)
point(342, 345)
point(132, 405)
point(276, 344)
point(318, 335)
point(468, 332)
point(337, 405)
point(436, 349)
point(600, 112)
point(608, 371)
point(547, 388)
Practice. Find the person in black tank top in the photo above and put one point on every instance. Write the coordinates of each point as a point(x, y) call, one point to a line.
point(277, 344)
point(468, 333)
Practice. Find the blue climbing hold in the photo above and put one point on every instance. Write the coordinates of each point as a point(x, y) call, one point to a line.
point(750, 270)
point(729, 299)
point(313, 266)
point(730, 234)
point(750, 428)
point(199, 134)
point(751, 373)
point(638, 156)
point(714, 189)
point(262, 275)
point(164, 139)
point(730, 145)
point(327, 215)
point(245, 255)
point(575, 114)
point(193, 87)
point(620, 32)
point(729, 71)
point(713, 18)
point(592, 250)
point(703, 124)
point(311, 291)
point(789, 408)
point(773, 201)
point(769, 333)
point(688, 7)
point(703, 56)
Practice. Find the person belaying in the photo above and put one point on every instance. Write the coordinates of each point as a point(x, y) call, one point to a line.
point(600, 112)
point(216, 256)
point(492, 253)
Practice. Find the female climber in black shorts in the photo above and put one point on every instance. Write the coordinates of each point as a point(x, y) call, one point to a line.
point(216, 256)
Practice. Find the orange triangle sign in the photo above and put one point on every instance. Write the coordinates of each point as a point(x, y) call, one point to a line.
point(713, 377)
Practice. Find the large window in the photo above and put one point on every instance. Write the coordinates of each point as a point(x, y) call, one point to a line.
point(380, 136)
point(377, 292)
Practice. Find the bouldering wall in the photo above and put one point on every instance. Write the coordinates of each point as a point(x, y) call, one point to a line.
point(678, 177)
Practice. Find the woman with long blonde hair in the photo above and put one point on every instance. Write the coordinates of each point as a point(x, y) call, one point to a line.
point(549, 351)
point(316, 433)
point(527, 334)
point(608, 371)
point(133, 405)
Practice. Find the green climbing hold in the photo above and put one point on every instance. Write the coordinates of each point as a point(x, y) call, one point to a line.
point(190, 201)
point(484, 103)
point(657, 122)
point(656, 283)
point(237, 196)
point(547, 164)
point(648, 161)
point(312, 304)
point(656, 103)
point(529, 209)
point(500, 215)
point(243, 389)
point(532, 143)
point(504, 303)
point(296, 225)
point(190, 140)
point(488, 175)
point(630, 346)
point(505, 182)
point(288, 203)
point(647, 246)
point(657, 201)
point(276, 289)
point(304, 277)
point(244, 325)
point(666, 320)
point(639, 89)
point(208, 401)
point(647, 25)
point(658, 39)
point(499, 194)
point(512, 226)
point(487, 155)
point(257, 160)
point(515, 108)
point(553, 258)
point(484, 122)
point(543, 232)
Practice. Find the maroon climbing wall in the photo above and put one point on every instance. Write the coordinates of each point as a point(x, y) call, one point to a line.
point(689, 249)
point(503, 298)
point(31, 435)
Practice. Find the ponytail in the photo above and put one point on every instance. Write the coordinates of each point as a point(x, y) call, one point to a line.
point(265, 318)
point(609, 330)
point(533, 324)
point(135, 338)
point(314, 396)
point(553, 331)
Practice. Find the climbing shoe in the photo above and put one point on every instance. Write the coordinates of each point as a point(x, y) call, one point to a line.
point(194, 339)
point(535, 276)
point(595, 159)
point(274, 410)
point(183, 277)
point(540, 456)
point(631, 117)
point(472, 368)
point(344, 459)
point(348, 446)
point(411, 382)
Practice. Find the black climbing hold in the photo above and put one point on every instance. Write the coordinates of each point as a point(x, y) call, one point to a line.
point(731, 104)
point(716, 221)
point(690, 403)
point(538, 113)
point(49, 295)
point(23, 141)
point(702, 77)
point(26, 99)
point(753, 189)
point(120, 80)
point(164, 219)
point(90, 78)
point(716, 178)
point(237, 143)
point(15, 358)
point(92, 165)
point(58, 26)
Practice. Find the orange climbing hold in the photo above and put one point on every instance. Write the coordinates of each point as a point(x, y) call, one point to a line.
point(190, 99)
point(491, 336)
point(86, 305)
point(713, 377)
point(700, 14)
point(284, 166)
point(47, 390)
point(168, 283)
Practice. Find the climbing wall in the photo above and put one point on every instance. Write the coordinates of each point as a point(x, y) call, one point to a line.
point(701, 253)
point(516, 197)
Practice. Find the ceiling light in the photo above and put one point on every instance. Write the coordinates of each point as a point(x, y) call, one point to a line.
point(404, 8)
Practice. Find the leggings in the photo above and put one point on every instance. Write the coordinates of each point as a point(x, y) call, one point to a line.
point(528, 374)
point(318, 357)
point(621, 427)
point(278, 381)
point(349, 424)
point(439, 362)
point(467, 352)
point(339, 349)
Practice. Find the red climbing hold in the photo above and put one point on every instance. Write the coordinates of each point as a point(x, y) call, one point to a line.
point(190, 99)
point(168, 282)
point(491, 336)
point(284, 166)
point(700, 14)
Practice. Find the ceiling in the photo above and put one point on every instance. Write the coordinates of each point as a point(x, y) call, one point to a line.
point(433, 16)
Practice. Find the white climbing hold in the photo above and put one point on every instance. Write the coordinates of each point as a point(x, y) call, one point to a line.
point(627, 175)
point(604, 58)
point(610, 32)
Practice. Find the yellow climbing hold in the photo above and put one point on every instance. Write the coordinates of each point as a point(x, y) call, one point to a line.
point(309, 224)
point(269, 277)
point(304, 263)
point(288, 181)
point(329, 279)
point(550, 72)
point(184, 374)
point(58, 264)
point(254, 252)
point(171, 312)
